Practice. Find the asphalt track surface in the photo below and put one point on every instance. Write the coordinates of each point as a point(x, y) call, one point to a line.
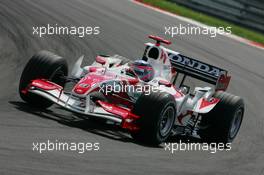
point(124, 27)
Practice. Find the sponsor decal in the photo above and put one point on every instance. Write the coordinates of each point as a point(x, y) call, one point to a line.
point(195, 64)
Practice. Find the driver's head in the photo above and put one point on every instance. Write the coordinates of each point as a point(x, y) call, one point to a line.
point(143, 70)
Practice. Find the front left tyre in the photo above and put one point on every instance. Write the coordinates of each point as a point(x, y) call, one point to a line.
point(158, 112)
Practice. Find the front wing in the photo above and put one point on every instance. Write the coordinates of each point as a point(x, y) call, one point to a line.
point(85, 106)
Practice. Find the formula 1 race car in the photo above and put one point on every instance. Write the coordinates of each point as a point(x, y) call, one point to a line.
point(148, 97)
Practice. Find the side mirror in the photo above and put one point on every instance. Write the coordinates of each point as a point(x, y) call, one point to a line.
point(185, 89)
point(101, 60)
point(77, 70)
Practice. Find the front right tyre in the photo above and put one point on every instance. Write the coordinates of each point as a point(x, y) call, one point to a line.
point(44, 65)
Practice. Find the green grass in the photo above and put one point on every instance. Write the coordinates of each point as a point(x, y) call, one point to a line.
point(206, 19)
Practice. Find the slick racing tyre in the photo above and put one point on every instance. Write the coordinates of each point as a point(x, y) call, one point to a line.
point(157, 111)
point(42, 65)
point(222, 124)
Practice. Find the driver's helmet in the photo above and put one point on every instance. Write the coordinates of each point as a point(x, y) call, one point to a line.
point(143, 70)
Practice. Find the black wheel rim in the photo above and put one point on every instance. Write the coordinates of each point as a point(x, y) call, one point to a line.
point(236, 122)
point(167, 120)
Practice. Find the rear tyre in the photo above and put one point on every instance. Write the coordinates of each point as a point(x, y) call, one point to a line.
point(44, 65)
point(157, 111)
point(222, 124)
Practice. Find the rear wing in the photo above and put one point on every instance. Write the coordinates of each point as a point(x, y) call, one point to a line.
point(199, 70)
point(189, 66)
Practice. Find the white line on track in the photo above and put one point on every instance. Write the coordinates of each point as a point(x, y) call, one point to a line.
point(188, 20)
